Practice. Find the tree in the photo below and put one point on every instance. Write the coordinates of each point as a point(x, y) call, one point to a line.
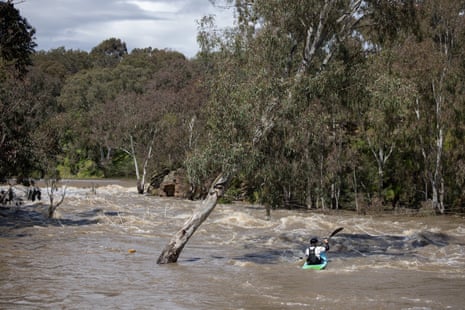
point(108, 53)
point(447, 23)
point(173, 249)
point(433, 62)
point(263, 76)
point(16, 39)
point(148, 98)
point(135, 132)
point(84, 98)
point(16, 47)
point(52, 190)
point(61, 63)
point(390, 100)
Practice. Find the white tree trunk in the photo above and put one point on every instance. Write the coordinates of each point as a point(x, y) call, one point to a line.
point(437, 180)
point(172, 250)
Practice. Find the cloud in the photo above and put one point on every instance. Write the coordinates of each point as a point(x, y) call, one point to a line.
point(84, 24)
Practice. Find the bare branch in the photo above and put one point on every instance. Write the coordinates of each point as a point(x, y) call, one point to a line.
point(51, 188)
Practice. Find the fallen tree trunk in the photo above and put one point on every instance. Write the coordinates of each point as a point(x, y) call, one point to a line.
point(173, 249)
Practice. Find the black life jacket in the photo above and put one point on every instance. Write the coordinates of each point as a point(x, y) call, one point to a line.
point(312, 259)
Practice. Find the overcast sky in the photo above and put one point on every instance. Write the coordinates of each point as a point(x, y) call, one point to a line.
point(83, 24)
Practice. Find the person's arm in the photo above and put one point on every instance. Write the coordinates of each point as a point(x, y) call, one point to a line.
point(326, 244)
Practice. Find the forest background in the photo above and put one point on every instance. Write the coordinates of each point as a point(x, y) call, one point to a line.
point(342, 104)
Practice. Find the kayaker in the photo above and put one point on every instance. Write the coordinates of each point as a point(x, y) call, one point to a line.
point(314, 251)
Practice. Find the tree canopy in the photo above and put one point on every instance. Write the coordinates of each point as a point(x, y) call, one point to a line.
point(316, 104)
point(16, 38)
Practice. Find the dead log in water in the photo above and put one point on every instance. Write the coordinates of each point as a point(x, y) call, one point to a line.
point(172, 250)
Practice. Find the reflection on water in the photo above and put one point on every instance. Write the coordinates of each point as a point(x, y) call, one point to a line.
point(236, 260)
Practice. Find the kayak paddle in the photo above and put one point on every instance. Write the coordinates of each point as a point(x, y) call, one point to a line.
point(335, 232)
point(332, 235)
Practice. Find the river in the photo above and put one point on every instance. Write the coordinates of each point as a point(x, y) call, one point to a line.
point(101, 250)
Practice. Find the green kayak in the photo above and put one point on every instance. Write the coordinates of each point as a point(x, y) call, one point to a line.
point(319, 266)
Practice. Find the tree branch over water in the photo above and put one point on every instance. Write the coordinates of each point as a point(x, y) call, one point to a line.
point(172, 250)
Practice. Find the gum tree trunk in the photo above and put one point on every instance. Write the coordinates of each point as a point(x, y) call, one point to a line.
point(173, 249)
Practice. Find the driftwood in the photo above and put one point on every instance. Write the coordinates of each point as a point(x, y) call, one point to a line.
point(52, 186)
point(173, 249)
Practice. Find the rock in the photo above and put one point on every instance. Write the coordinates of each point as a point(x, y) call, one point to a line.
point(175, 184)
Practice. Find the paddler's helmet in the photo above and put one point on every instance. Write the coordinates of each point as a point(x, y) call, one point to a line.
point(314, 241)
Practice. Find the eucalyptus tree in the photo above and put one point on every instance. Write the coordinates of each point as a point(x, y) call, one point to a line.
point(447, 31)
point(161, 115)
point(131, 128)
point(264, 91)
point(109, 53)
point(434, 61)
point(146, 100)
point(16, 47)
point(390, 99)
point(265, 71)
point(16, 39)
point(84, 99)
point(60, 63)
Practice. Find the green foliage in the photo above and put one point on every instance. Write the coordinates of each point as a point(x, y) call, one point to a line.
point(64, 169)
point(88, 169)
point(121, 165)
point(16, 38)
point(17, 96)
point(108, 53)
point(340, 112)
point(306, 104)
point(83, 169)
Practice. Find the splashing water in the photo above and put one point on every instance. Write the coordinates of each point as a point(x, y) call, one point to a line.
point(100, 252)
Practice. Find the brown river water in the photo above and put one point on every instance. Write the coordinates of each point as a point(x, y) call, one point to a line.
point(236, 260)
